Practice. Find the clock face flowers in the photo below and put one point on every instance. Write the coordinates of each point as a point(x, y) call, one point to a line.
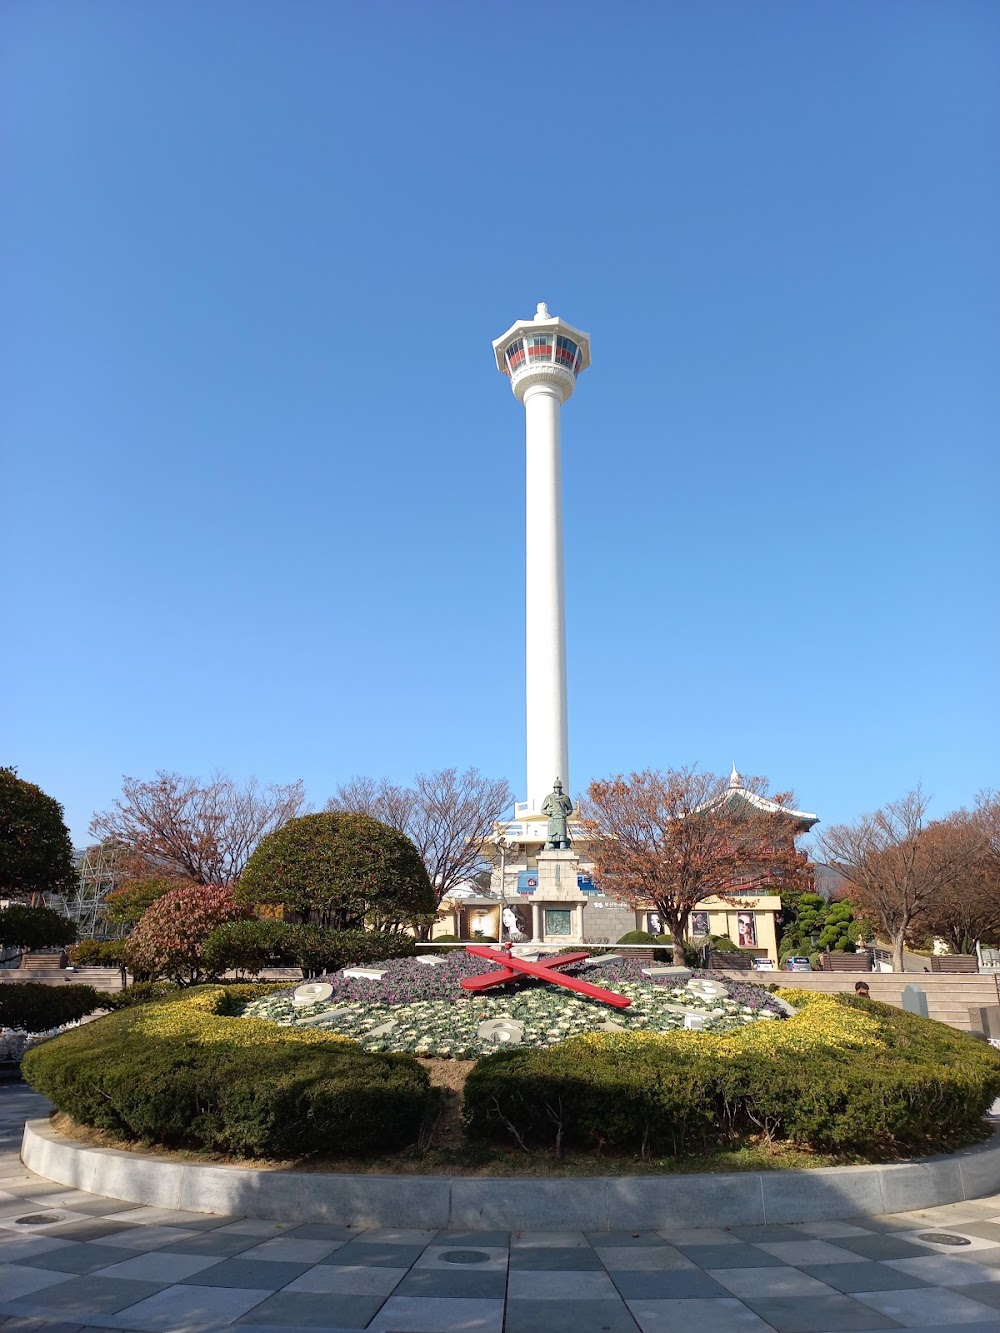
point(422, 1009)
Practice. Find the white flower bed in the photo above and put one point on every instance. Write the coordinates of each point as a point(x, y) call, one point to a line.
point(550, 1015)
point(14, 1043)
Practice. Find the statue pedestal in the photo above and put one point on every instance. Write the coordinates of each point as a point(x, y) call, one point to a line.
point(557, 871)
point(558, 892)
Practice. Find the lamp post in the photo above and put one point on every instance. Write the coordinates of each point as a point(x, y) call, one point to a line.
point(503, 846)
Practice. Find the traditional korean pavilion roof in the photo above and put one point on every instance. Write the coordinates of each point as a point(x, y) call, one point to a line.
point(737, 794)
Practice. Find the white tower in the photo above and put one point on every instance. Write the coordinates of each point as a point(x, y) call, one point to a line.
point(542, 358)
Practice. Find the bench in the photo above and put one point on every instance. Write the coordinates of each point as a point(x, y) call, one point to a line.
point(730, 962)
point(955, 962)
point(845, 962)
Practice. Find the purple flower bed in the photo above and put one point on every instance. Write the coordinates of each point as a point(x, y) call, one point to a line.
point(407, 980)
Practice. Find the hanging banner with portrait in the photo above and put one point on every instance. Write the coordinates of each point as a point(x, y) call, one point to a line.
point(746, 926)
point(698, 923)
point(516, 925)
point(654, 924)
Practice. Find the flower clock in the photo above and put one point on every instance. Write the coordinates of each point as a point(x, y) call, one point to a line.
point(420, 1006)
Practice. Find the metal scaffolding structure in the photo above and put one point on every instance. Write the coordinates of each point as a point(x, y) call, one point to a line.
point(85, 904)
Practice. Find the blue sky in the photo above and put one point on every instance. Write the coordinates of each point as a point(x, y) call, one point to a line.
point(263, 485)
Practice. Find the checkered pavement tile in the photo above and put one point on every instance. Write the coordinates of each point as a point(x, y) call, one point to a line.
point(99, 1265)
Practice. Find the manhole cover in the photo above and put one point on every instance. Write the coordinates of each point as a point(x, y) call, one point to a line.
point(943, 1238)
point(465, 1257)
point(37, 1219)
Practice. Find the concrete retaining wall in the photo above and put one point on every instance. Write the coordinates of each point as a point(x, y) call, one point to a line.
point(600, 1203)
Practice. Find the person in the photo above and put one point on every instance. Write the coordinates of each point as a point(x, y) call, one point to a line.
point(861, 990)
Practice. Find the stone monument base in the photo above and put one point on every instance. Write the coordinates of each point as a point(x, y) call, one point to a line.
point(557, 872)
point(557, 904)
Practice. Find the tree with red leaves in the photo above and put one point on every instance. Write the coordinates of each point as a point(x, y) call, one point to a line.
point(966, 907)
point(669, 840)
point(169, 940)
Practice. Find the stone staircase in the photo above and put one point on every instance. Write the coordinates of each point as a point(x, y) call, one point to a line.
point(39, 962)
point(949, 995)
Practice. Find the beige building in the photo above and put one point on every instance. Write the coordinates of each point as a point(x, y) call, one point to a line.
point(750, 921)
point(547, 897)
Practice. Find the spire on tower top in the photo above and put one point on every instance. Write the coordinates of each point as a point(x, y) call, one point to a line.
point(542, 311)
point(734, 778)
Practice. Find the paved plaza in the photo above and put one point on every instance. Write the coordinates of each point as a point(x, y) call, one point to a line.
point(84, 1262)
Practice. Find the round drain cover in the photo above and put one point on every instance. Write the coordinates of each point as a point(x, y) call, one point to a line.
point(37, 1219)
point(465, 1257)
point(943, 1238)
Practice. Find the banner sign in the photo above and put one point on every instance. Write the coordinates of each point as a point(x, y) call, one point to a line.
point(527, 881)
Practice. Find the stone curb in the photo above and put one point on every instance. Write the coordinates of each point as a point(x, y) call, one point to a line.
point(474, 1203)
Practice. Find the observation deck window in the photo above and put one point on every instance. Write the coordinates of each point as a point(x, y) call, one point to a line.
point(541, 347)
point(514, 355)
point(566, 352)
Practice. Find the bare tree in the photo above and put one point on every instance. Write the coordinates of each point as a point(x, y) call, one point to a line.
point(448, 815)
point(671, 839)
point(896, 864)
point(204, 831)
point(988, 814)
point(966, 909)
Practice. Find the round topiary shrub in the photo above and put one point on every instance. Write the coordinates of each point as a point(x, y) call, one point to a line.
point(841, 1075)
point(34, 927)
point(181, 1072)
point(126, 906)
point(343, 870)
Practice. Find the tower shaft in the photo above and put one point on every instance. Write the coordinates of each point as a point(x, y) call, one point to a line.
point(541, 358)
point(545, 606)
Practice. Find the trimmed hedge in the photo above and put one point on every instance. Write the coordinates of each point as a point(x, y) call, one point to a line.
point(841, 1075)
point(722, 944)
point(316, 949)
point(98, 953)
point(184, 1073)
point(33, 1007)
point(250, 946)
point(140, 992)
point(644, 937)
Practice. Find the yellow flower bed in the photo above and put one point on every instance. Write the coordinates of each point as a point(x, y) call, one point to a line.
point(199, 1016)
point(840, 1074)
point(822, 1025)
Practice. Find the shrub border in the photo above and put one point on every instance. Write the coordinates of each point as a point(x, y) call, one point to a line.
point(476, 1203)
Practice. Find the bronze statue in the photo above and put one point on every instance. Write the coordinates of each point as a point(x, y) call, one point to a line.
point(558, 807)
